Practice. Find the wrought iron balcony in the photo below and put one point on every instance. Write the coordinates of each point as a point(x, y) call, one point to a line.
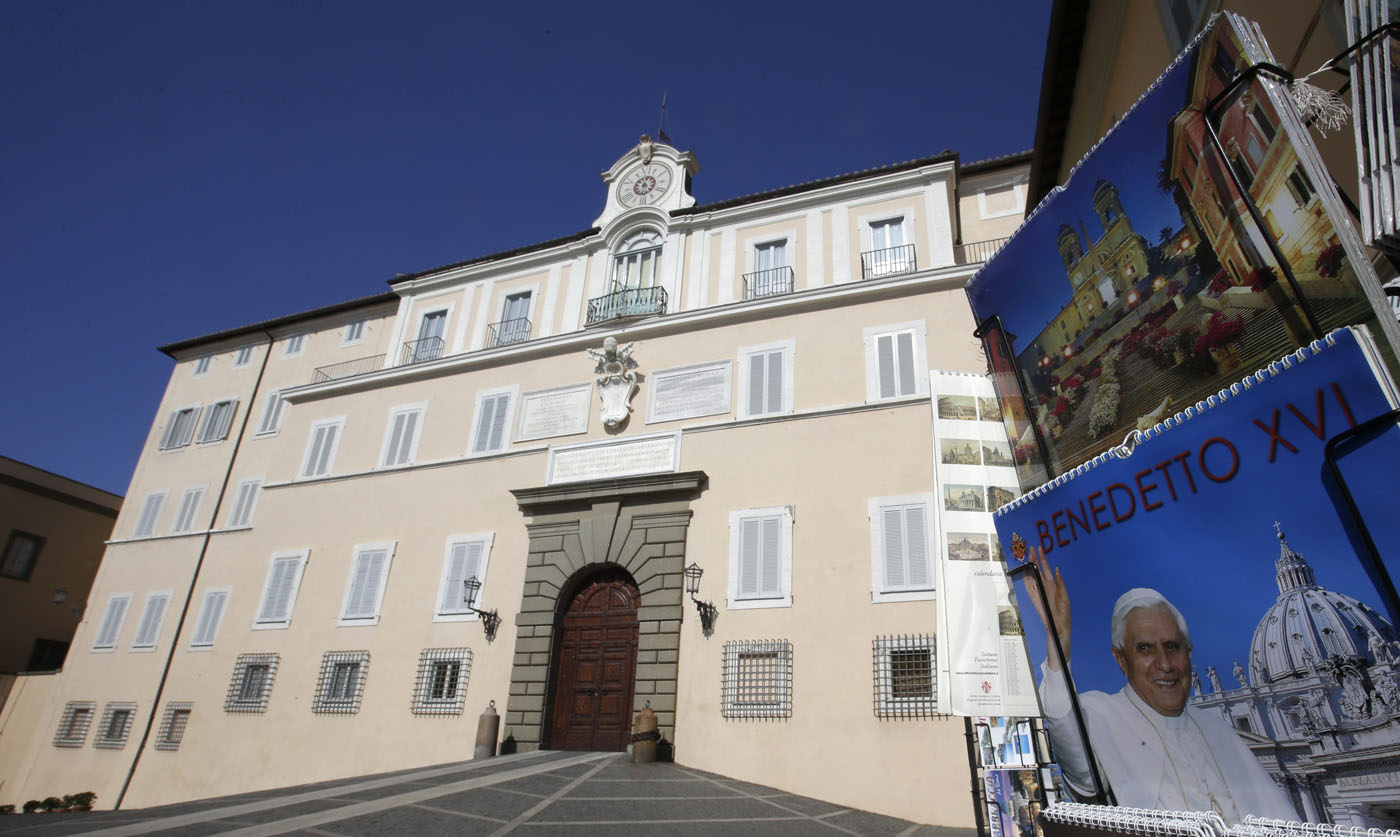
point(977, 251)
point(507, 332)
point(770, 282)
point(626, 302)
point(348, 369)
point(417, 351)
point(890, 261)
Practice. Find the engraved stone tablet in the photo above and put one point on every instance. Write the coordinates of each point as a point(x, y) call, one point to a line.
point(692, 391)
point(600, 460)
point(554, 412)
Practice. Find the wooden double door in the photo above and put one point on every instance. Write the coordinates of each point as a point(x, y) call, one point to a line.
point(596, 666)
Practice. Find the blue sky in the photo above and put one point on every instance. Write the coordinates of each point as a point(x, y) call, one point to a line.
point(174, 169)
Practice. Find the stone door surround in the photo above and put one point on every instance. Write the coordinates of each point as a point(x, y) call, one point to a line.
point(636, 523)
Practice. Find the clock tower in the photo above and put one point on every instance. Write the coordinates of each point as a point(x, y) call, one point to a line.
point(652, 174)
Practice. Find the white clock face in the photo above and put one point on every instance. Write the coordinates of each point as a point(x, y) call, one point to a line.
point(644, 185)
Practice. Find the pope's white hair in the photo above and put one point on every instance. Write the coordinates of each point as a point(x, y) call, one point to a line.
point(1143, 597)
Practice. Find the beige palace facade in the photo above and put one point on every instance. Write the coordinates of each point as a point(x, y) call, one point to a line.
point(283, 597)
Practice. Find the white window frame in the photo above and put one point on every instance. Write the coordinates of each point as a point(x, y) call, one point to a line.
point(338, 422)
point(285, 620)
point(150, 625)
point(201, 366)
point(274, 410)
point(151, 507)
point(788, 348)
point(513, 396)
point(111, 623)
point(245, 521)
point(420, 317)
point(295, 344)
point(206, 624)
point(871, 337)
point(354, 333)
point(361, 551)
point(643, 245)
point(1017, 187)
point(186, 516)
point(783, 598)
point(421, 409)
point(444, 614)
point(168, 439)
point(875, 516)
point(242, 356)
point(206, 425)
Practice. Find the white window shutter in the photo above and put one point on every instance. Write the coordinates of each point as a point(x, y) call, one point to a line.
point(151, 618)
point(112, 622)
point(772, 556)
point(915, 531)
point(396, 434)
point(209, 617)
point(277, 597)
point(758, 401)
point(410, 431)
point(462, 564)
point(498, 422)
point(907, 384)
point(750, 556)
point(272, 413)
point(893, 537)
point(884, 353)
point(491, 424)
point(775, 382)
point(365, 583)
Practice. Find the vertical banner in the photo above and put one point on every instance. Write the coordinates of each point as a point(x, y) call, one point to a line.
point(1223, 644)
point(980, 647)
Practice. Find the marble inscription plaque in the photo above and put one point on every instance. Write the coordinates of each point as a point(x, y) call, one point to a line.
point(554, 412)
point(647, 455)
point(689, 392)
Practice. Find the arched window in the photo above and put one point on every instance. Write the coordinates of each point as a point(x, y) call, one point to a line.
point(636, 262)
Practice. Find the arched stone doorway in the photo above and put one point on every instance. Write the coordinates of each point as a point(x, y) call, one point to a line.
point(634, 527)
point(595, 664)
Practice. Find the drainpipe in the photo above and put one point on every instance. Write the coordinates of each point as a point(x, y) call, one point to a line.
point(194, 578)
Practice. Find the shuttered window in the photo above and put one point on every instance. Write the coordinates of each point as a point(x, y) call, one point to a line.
point(189, 508)
point(180, 429)
point(466, 558)
point(365, 588)
point(765, 379)
point(904, 536)
point(492, 414)
point(896, 362)
point(217, 421)
point(112, 618)
point(152, 617)
point(272, 413)
point(279, 594)
point(244, 503)
point(321, 447)
point(211, 613)
point(401, 436)
point(150, 513)
point(760, 557)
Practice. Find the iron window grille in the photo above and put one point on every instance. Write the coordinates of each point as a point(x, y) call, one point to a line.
point(251, 684)
point(173, 724)
point(441, 687)
point(770, 282)
point(890, 261)
point(341, 682)
point(757, 679)
point(73, 724)
point(112, 732)
point(906, 681)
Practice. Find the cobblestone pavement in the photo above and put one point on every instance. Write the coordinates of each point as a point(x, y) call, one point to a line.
point(539, 793)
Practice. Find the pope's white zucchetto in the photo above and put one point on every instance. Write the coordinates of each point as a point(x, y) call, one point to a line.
point(1142, 597)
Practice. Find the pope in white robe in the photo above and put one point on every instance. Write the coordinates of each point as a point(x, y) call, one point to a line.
point(1152, 749)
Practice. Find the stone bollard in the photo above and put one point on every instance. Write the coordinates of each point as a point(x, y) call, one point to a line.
point(486, 731)
point(644, 736)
